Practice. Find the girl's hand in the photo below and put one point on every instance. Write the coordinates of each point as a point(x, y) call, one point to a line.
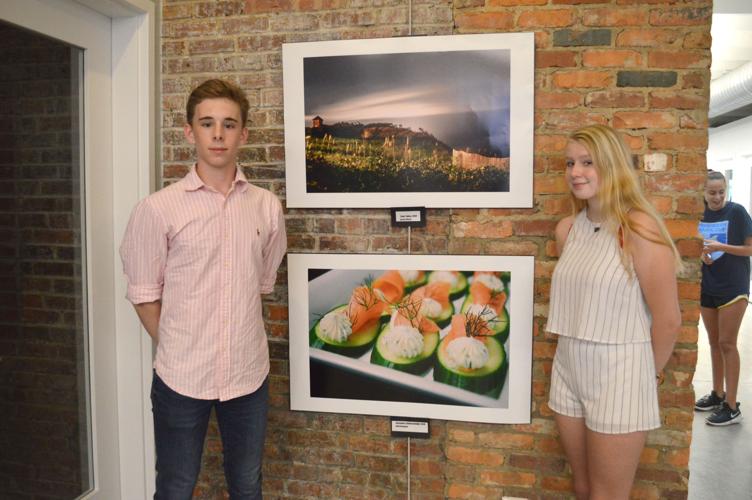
point(710, 246)
point(706, 259)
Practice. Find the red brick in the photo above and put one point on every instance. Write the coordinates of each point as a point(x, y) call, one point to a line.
point(507, 440)
point(537, 227)
point(671, 100)
point(678, 59)
point(556, 483)
point(662, 204)
point(504, 478)
point(555, 59)
point(678, 458)
point(682, 228)
point(261, 6)
point(485, 229)
point(475, 456)
point(556, 100)
point(513, 3)
point(570, 120)
point(615, 99)
point(550, 184)
point(614, 17)
point(507, 247)
point(685, 140)
point(697, 40)
point(643, 119)
point(695, 80)
point(689, 291)
point(691, 205)
point(611, 58)
point(683, 16)
point(471, 492)
point(554, 18)
point(691, 162)
point(484, 21)
point(655, 37)
point(583, 79)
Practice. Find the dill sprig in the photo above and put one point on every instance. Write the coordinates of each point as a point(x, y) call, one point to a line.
point(365, 296)
point(409, 307)
point(475, 323)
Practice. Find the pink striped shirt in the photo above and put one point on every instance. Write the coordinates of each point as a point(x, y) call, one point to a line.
point(208, 258)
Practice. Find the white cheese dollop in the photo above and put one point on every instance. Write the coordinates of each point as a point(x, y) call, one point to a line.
point(445, 276)
point(409, 276)
point(403, 341)
point(491, 281)
point(335, 326)
point(486, 313)
point(430, 307)
point(466, 352)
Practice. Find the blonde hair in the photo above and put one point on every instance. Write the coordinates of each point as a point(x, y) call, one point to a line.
point(619, 190)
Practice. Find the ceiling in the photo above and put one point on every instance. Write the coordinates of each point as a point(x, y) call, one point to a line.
point(732, 41)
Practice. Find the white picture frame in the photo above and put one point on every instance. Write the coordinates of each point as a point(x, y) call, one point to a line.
point(323, 381)
point(473, 95)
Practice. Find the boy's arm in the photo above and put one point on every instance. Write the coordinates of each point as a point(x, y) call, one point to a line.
point(144, 255)
point(149, 313)
point(275, 248)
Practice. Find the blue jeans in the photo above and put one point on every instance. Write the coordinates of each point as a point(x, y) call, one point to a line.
point(180, 426)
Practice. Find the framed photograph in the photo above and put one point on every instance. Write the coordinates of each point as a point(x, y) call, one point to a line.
point(447, 337)
point(436, 121)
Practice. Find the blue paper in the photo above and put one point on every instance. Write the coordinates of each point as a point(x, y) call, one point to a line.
point(717, 231)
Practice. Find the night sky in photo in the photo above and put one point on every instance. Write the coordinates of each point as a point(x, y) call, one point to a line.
point(452, 95)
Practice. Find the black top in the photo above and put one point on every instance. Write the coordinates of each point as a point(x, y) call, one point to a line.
point(728, 274)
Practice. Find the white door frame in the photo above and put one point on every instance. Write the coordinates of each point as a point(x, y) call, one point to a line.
point(119, 169)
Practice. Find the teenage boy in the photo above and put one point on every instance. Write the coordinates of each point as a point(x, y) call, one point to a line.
point(197, 255)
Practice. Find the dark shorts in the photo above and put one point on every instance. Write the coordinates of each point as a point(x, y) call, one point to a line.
point(719, 302)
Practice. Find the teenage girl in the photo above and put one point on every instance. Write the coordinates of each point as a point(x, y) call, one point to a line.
point(614, 305)
point(727, 232)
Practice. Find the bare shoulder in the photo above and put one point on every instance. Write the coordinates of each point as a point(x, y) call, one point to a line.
point(646, 225)
point(563, 227)
point(562, 231)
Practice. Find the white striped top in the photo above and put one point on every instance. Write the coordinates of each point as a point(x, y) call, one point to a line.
point(593, 296)
point(207, 257)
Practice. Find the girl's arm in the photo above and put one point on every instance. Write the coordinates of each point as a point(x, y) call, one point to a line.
point(655, 269)
point(562, 231)
point(716, 246)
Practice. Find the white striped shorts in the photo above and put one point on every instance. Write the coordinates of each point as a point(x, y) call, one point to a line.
point(612, 386)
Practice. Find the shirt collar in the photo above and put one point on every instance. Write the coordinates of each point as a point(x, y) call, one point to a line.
point(193, 182)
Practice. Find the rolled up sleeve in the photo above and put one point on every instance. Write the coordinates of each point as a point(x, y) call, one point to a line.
point(144, 254)
point(275, 248)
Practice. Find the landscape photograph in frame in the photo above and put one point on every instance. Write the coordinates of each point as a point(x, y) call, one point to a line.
point(428, 336)
point(434, 121)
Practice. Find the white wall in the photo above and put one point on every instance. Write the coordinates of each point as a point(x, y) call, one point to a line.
point(730, 148)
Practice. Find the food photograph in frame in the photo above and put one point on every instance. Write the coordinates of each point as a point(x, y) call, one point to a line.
point(447, 337)
point(441, 121)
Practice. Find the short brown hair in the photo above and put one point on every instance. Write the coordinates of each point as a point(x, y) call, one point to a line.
point(217, 89)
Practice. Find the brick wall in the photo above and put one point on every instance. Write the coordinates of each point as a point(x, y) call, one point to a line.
point(639, 65)
point(43, 451)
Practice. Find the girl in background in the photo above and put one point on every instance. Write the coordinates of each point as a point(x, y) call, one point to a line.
point(727, 232)
point(614, 305)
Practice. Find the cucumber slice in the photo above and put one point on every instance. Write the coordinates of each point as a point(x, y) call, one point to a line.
point(500, 325)
point(355, 345)
point(458, 290)
point(412, 285)
point(487, 380)
point(445, 317)
point(417, 365)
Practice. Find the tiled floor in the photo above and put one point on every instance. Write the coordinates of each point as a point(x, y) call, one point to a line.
point(720, 461)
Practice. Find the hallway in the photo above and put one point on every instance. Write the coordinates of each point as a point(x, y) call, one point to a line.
point(720, 461)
